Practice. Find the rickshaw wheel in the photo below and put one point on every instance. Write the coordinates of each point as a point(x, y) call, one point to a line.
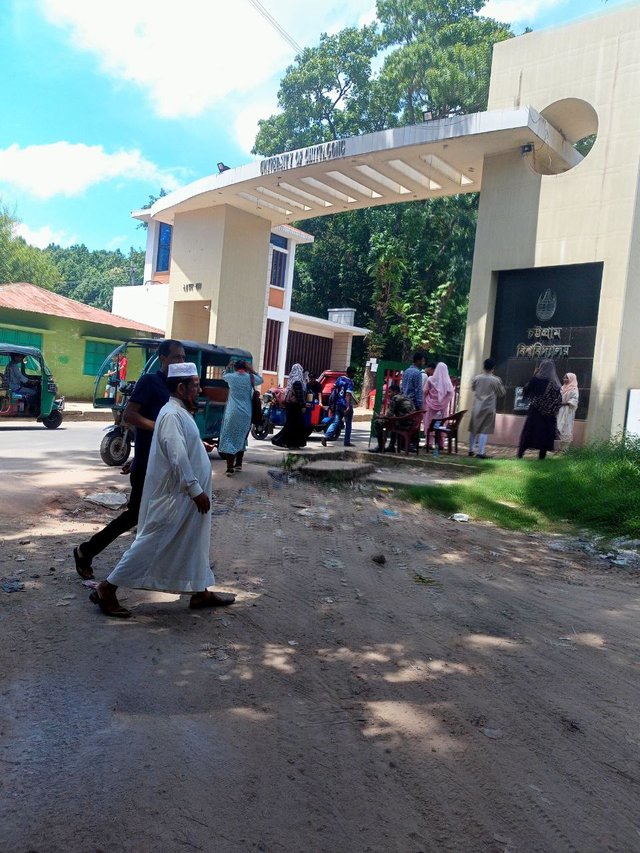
point(260, 432)
point(115, 449)
point(53, 419)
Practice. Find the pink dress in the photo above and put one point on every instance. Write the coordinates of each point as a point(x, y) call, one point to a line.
point(436, 405)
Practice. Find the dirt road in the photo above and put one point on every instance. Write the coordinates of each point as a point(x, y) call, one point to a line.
point(476, 692)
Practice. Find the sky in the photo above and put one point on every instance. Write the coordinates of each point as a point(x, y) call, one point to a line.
point(104, 103)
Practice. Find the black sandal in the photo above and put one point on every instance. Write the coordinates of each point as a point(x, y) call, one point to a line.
point(83, 566)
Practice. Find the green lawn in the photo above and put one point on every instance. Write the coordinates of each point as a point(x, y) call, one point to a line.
point(596, 487)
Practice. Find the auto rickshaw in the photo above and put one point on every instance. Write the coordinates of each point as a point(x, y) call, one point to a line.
point(212, 362)
point(44, 406)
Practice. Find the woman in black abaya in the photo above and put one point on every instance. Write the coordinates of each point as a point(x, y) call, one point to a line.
point(545, 399)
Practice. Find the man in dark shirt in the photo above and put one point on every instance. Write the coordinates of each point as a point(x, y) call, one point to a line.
point(398, 405)
point(149, 396)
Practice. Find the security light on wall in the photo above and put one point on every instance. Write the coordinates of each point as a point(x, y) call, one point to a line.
point(223, 168)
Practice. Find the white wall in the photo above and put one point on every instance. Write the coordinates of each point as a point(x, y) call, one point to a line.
point(146, 303)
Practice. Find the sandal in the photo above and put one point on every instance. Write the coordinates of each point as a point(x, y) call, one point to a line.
point(118, 612)
point(83, 566)
point(211, 599)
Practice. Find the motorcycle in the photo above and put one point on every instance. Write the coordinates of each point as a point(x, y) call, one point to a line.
point(115, 447)
point(273, 414)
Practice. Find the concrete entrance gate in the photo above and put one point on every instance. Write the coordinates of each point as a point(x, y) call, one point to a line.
point(542, 207)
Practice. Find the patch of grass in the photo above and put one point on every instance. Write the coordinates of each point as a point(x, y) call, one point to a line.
point(597, 486)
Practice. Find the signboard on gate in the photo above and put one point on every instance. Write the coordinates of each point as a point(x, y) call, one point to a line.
point(546, 312)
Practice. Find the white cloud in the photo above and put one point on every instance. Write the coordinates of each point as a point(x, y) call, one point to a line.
point(116, 242)
point(519, 11)
point(195, 54)
point(246, 121)
point(68, 169)
point(41, 237)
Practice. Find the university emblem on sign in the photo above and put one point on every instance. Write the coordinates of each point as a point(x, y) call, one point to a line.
point(546, 306)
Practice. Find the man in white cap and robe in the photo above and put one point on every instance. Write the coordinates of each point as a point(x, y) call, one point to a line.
point(171, 549)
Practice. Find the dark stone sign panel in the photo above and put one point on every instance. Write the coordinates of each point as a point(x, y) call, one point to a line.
point(547, 312)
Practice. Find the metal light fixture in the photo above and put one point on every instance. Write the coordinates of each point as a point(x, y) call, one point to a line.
point(223, 168)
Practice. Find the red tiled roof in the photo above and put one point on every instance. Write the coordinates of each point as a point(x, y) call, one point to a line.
point(22, 296)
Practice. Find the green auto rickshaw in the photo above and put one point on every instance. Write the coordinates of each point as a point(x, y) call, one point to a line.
point(37, 397)
point(211, 360)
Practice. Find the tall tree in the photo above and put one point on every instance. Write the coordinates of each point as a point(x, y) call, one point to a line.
point(328, 93)
point(18, 260)
point(90, 276)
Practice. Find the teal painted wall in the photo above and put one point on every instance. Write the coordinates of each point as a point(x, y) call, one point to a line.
point(63, 344)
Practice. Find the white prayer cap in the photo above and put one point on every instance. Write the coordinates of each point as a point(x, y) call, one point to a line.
point(182, 371)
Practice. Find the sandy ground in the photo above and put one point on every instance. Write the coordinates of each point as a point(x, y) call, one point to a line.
point(476, 692)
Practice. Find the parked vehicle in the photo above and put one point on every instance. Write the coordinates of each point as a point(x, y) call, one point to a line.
point(45, 406)
point(212, 362)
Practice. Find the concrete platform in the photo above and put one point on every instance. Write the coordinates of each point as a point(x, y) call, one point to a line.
point(335, 469)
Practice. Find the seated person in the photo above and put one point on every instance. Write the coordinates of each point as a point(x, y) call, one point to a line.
point(19, 382)
point(398, 405)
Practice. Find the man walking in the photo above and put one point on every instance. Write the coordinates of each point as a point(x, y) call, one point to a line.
point(171, 550)
point(412, 380)
point(341, 402)
point(149, 396)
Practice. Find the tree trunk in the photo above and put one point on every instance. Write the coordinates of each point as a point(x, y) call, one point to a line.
point(368, 384)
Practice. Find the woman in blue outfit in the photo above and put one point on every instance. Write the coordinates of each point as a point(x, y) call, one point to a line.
point(237, 414)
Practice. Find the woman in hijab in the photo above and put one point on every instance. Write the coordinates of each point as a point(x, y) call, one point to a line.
point(567, 413)
point(437, 393)
point(543, 393)
point(294, 432)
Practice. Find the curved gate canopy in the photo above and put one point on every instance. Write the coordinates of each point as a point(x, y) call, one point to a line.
point(435, 158)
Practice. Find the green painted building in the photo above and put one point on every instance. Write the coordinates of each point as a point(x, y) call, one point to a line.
point(75, 338)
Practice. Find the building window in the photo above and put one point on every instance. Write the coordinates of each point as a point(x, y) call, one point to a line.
point(313, 352)
point(95, 353)
point(272, 345)
point(278, 268)
point(280, 242)
point(164, 248)
point(20, 338)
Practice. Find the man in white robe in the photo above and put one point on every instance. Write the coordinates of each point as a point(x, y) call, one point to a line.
point(171, 549)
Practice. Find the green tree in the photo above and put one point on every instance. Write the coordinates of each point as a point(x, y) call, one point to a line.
point(90, 276)
point(18, 260)
point(150, 202)
point(328, 93)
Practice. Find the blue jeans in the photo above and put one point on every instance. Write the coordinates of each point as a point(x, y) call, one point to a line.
point(332, 429)
point(348, 421)
point(337, 419)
